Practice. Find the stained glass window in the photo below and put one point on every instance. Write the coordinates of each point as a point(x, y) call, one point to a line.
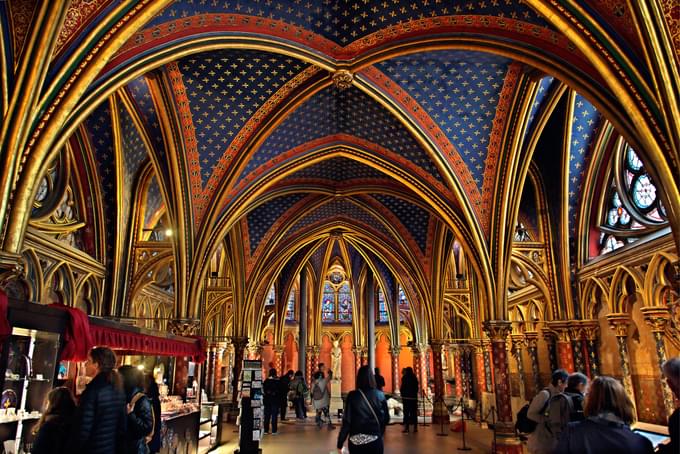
point(290, 309)
point(382, 307)
point(344, 304)
point(403, 304)
point(633, 207)
point(271, 297)
point(328, 304)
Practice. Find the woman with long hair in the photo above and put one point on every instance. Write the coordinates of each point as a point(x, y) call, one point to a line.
point(139, 414)
point(365, 416)
point(53, 428)
point(100, 423)
point(609, 413)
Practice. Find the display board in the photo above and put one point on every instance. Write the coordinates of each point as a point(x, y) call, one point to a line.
point(251, 410)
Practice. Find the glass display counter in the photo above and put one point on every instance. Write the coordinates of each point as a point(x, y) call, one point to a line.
point(30, 368)
point(207, 431)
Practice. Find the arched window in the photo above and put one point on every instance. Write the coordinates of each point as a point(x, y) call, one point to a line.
point(632, 207)
point(403, 304)
point(336, 306)
point(271, 297)
point(290, 308)
point(382, 307)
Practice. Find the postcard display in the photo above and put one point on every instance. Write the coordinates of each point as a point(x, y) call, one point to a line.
point(251, 413)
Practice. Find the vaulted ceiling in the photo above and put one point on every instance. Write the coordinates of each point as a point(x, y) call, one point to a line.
point(294, 121)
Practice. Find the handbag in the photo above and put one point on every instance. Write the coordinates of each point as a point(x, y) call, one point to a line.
point(364, 439)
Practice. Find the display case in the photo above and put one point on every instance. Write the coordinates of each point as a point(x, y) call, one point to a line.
point(207, 432)
point(30, 358)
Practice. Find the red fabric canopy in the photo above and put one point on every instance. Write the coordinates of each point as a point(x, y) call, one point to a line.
point(77, 338)
point(5, 328)
point(131, 343)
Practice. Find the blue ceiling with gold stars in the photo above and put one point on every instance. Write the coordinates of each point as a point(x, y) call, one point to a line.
point(345, 21)
point(333, 111)
point(154, 202)
point(460, 91)
point(225, 89)
point(338, 169)
point(261, 219)
point(414, 218)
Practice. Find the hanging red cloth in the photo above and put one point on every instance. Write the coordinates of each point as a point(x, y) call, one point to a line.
point(77, 338)
point(5, 328)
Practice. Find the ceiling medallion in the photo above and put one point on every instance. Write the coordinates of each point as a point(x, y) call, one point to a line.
point(342, 79)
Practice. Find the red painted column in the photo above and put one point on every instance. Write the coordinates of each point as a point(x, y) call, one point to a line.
point(312, 361)
point(565, 354)
point(278, 360)
point(439, 412)
point(217, 390)
point(506, 442)
point(458, 370)
point(240, 344)
point(418, 366)
point(396, 373)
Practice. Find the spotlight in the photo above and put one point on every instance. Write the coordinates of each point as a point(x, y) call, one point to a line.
point(168, 232)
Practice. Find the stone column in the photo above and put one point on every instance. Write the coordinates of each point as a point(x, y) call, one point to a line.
point(312, 361)
point(578, 347)
point(358, 352)
point(439, 412)
point(517, 341)
point(458, 370)
point(417, 366)
point(657, 318)
point(591, 329)
point(370, 320)
point(480, 374)
point(531, 339)
point(620, 322)
point(210, 372)
point(488, 369)
point(498, 331)
point(302, 323)
point(395, 350)
point(549, 337)
point(565, 355)
point(278, 359)
point(240, 344)
point(467, 371)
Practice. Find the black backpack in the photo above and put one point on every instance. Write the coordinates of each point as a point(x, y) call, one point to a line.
point(524, 424)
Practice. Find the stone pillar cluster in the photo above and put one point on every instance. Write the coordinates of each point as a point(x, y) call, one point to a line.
point(395, 350)
point(657, 318)
point(620, 322)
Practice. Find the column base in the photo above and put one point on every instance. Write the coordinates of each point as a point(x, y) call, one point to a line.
point(507, 444)
point(440, 415)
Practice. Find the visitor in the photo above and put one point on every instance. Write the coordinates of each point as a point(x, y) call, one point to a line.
point(321, 399)
point(606, 429)
point(151, 390)
point(577, 384)
point(671, 370)
point(409, 396)
point(52, 430)
point(100, 422)
point(379, 380)
point(270, 390)
point(140, 420)
point(542, 440)
point(284, 383)
point(365, 416)
point(300, 390)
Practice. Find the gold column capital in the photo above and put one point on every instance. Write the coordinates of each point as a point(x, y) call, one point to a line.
point(561, 328)
point(531, 339)
point(656, 317)
point(619, 322)
point(497, 330)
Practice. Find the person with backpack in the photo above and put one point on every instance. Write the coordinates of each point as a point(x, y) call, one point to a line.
point(140, 418)
point(270, 390)
point(671, 371)
point(297, 392)
point(321, 398)
point(284, 384)
point(577, 384)
point(606, 429)
point(546, 410)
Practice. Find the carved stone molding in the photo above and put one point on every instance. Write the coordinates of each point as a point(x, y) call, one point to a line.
point(343, 79)
point(184, 327)
point(656, 317)
point(619, 323)
point(531, 339)
point(497, 330)
point(561, 329)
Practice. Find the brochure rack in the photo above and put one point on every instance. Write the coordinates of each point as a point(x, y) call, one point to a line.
point(251, 411)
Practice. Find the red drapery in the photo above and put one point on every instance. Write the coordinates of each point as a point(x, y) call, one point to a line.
point(5, 328)
point(81, 335)
point(130, 343)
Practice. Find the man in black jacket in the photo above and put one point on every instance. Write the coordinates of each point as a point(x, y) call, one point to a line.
point(284, 382)
point(270, 391)
point(100, 423)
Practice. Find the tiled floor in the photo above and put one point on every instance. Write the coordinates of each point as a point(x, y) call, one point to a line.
point(299, 438)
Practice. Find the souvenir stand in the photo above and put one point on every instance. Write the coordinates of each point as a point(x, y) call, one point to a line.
point(31, 336)
point(175, 364)
point(251, 415)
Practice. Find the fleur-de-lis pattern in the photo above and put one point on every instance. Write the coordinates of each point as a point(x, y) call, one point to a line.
point(414, 218)
point(262, 218)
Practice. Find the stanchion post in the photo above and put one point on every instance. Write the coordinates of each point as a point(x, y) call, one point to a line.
point(462, 412)
point(424, 424)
